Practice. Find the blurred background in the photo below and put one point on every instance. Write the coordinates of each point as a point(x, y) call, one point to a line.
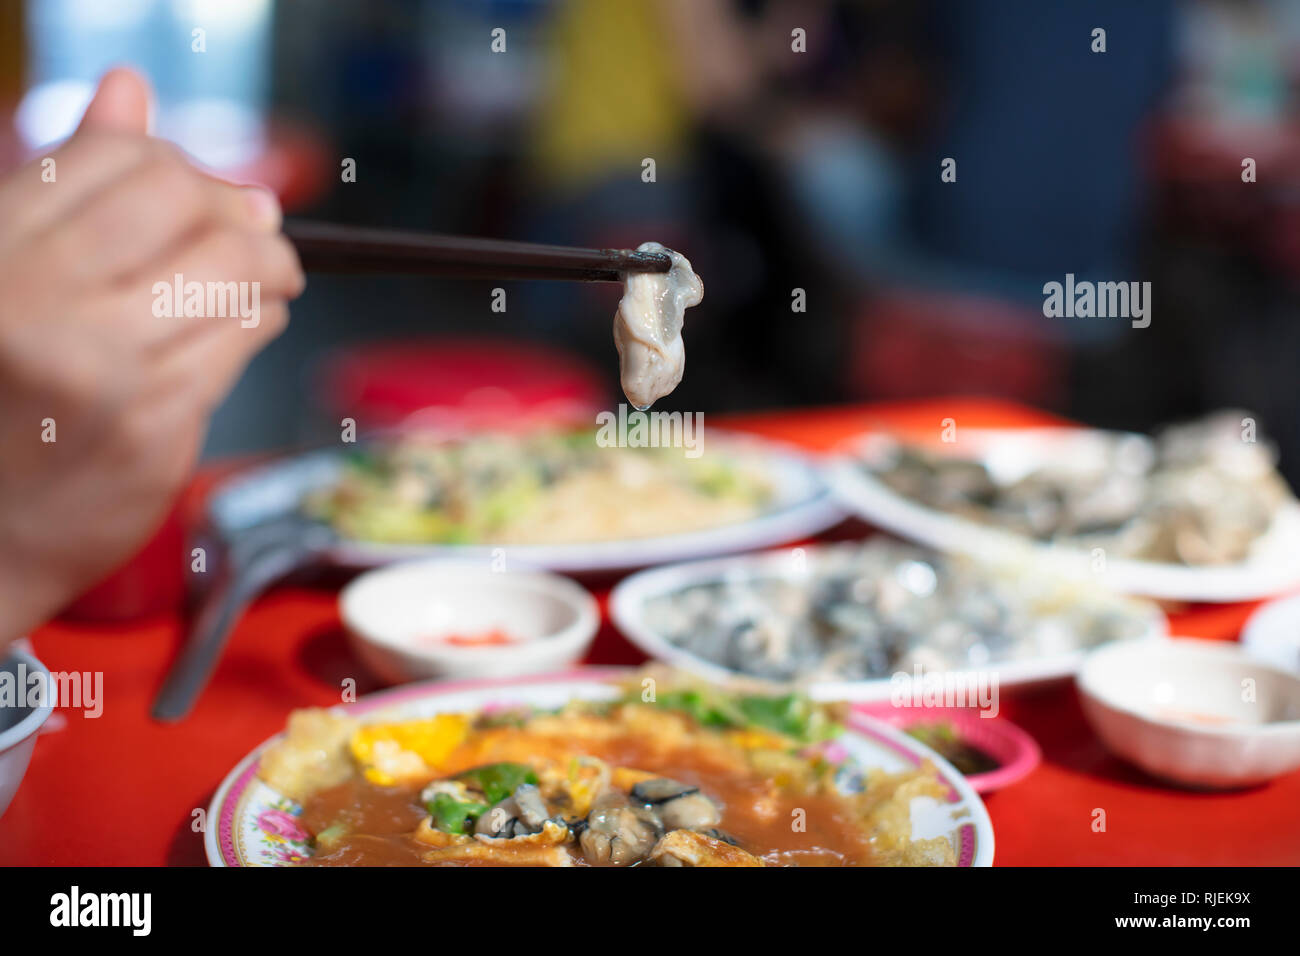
point(776, 170)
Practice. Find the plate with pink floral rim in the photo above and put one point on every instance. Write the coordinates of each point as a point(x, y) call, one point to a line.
point(254, 825)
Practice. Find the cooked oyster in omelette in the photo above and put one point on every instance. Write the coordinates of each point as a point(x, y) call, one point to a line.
point(697, 777)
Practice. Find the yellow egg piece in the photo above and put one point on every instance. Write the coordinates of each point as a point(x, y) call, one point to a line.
point(390, 753)
point(757, 740)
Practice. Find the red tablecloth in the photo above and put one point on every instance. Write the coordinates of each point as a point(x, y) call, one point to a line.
point(121, 789)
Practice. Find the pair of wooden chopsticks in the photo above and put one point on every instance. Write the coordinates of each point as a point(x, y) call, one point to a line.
point(323, 247)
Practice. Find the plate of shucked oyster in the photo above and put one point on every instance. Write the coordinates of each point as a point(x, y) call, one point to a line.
point(1198, 512)
point(868, 621)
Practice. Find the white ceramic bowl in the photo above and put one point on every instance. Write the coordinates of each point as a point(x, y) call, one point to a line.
point(400, 617)
point(20, 724)
point(1199, 713)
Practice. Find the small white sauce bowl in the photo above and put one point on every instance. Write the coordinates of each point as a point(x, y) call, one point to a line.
point(1199, 713)
point(399, 617)
point(20, 724)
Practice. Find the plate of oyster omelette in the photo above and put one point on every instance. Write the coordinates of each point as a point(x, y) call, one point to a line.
point(596, 767)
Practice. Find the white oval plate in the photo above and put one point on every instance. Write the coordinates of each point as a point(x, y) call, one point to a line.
point(628, 600)
point(802, 506)
point(1273, 566)
point(253, 825)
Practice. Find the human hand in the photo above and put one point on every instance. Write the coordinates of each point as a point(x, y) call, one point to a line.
point(104, 396)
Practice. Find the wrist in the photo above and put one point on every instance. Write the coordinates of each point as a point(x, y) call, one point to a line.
point(27, 598)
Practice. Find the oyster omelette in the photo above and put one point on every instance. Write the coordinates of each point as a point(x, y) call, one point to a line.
point(695, 776)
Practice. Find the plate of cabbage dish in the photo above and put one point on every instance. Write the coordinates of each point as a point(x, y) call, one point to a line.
point(555, 498)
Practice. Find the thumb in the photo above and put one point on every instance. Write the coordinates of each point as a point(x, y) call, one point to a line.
point(122, 104)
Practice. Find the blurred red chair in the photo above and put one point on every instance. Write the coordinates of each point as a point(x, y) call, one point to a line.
point(459, 383)
point(918, 344)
